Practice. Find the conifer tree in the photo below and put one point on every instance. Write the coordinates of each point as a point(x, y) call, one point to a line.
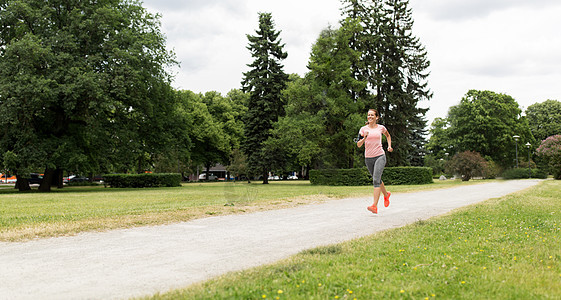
point(395, 65)
point(264, 82)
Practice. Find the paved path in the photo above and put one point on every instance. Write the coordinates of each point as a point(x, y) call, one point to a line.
point(142, 261)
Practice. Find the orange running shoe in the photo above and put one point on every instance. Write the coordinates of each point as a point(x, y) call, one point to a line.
point(387, 200)
point(373, 209)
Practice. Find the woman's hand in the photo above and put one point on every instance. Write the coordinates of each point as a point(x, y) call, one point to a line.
point(390, 149)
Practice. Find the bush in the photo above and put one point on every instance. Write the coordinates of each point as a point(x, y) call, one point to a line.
point(550, 150)
point(357, 176)
point(360, 176)
point(142, 180)
point(468, 164)
point(407, 175)
point(520, 173)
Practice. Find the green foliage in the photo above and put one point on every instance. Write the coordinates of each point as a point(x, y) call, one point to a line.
point(238, 164)
point(439, 142)
point(520, 173)
point(142, 180)
point(322, 115)
point(394, 64)
point(544, 119)
point(407, 175)
point(83, 86)
point(336, 177)
point(550, 149)
point(468, 164)
point(485, 122)
point(360, 176)
point(264, 82)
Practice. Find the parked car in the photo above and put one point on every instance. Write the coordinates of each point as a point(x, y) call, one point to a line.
point(10, 179)
point(210, 177)
point(35, 178)
point(78, 179)
point(292, 177)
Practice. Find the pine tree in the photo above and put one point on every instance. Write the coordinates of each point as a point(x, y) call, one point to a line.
point(264, 82)
point(394, 62)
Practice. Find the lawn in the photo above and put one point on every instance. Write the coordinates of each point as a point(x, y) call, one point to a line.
point(72, 210)
point(504, 248)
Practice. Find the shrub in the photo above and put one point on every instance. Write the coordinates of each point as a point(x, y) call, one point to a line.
point(550, 149)
point(142, 180)
point(407, 175)
point(357, 176)
point(468, 164)
point(520, 173)
point(360, 176)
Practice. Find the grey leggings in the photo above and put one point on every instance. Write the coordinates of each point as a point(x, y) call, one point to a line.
point(375, 167)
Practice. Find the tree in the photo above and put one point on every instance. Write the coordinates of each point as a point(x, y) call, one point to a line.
point(265, 82)
point(544, 119)
point(485, 122)
point(550, 149)
point(78, 79)
point(468, 164)
point(207, 135)
point(439, 143)
point(322, 116)
point(394, 63)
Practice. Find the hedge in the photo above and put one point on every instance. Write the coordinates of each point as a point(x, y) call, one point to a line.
point(407, 175)
point(360, 176)
point(142, 180)
point(520, 173)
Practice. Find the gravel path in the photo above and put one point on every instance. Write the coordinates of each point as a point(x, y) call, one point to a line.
point(142, 261)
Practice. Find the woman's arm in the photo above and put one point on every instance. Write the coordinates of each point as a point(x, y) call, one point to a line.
point(361, 141)
point(389, 139)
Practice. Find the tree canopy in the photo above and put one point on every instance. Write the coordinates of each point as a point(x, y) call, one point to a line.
point(394, 64)
point(77, 78)
point(484, 122)
point(544, 119)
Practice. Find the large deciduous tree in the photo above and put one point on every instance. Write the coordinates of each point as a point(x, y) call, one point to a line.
point(265, 82)
point(486, 122)
point(544, 119)
point(78, 80)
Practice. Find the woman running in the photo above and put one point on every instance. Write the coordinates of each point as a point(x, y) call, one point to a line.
point(374, 155)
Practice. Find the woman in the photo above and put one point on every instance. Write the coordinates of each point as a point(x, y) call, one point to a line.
point(374, 155)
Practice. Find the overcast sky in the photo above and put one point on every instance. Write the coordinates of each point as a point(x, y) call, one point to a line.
point(506, 46)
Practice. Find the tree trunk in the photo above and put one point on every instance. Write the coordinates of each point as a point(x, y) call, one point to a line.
point(265, 177)
point(22, 184)
point(207, 172)
point(48, 179)
point(57, 179)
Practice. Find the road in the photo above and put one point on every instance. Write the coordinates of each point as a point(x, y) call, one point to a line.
point(142, 261)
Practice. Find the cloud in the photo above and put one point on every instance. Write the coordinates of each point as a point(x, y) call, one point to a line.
point(507, 46)
point(233, 6)
point(457, 10)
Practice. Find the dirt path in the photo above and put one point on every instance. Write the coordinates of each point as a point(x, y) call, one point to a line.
point(142, 261)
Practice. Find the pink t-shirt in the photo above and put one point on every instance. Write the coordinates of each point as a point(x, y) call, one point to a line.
point(373, 142)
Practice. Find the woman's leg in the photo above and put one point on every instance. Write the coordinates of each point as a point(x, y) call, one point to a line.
point(379, 165)
point(376, 196)
point(383, 189)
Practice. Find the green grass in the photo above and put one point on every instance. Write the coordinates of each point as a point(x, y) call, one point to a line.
point(77, 209)
point(505, 248)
